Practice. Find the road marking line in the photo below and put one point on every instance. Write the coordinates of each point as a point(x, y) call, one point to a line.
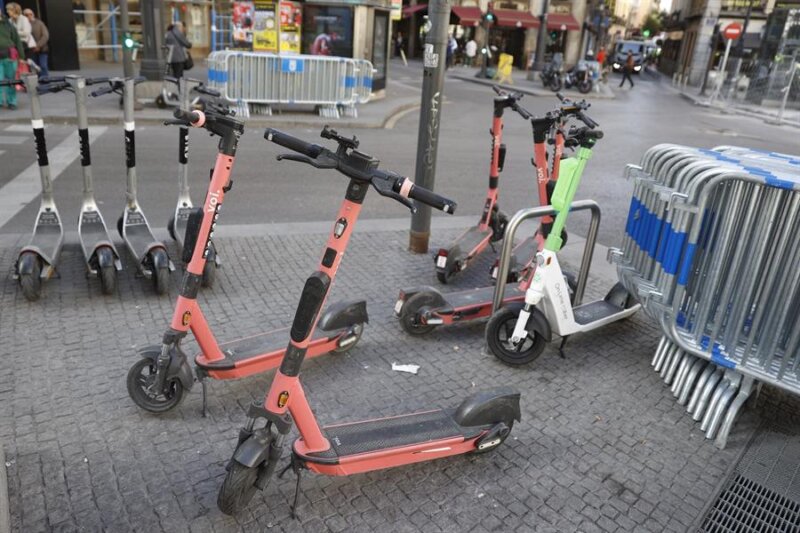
point(16, 139)
point(23, 189)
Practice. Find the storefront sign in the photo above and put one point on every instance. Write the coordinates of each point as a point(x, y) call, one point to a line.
point(291, 22)
point(397, 9)
point(265, 27)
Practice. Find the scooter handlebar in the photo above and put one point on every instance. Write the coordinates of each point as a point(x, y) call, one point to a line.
point(95, 81)
point(7, 83)
point(586, 120)
point(104, 90)
point(428, 197)
point(196, 119)
point(292, 143)
point(52, 87)
point(202, 89)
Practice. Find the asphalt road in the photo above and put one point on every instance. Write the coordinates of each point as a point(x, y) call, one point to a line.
point(266, 191)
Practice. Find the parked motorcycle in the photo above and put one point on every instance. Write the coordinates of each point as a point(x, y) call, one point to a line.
point(579, 76)
point(551, 77)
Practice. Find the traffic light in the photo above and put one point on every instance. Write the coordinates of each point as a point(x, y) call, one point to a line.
point(646, 33)
point(128, 43)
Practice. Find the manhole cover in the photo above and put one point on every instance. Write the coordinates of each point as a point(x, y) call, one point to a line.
point(763, 493)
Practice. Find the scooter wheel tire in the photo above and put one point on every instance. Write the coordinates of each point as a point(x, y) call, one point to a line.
point(108, 279)
point(31, 284)
point(160, 103)
point(410, 310)
point(442, 277)
point(584, 87)
point(161, 280)
point(359, 329)
point(510, 424)
point(238, 488)
point(555, 85)
point(209, 274)
point(119, 226)
point(171, 227)
point(140, 378)
point(498, 337)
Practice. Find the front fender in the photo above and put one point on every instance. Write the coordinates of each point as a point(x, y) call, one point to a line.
point(254, 451)
point(178, 365)
point(538, 322)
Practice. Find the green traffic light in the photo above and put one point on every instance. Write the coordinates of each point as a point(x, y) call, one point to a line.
point(646, 33)
point(128, 42)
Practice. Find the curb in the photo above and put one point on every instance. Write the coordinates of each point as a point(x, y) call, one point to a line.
point(767, 119)
point(5, 517)
point(532, 91)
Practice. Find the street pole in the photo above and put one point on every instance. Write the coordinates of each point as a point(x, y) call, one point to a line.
point(429, 118)
point(127, 53)
point(740, 46)
point(721, 77)
point(714, 45)
point(485, 51)
point(538, 63)
point(153, 35)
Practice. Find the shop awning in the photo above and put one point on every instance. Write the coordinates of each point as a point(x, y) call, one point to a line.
point(410, 10)
point(516, 19)
point(467, 16)
point(562, 21)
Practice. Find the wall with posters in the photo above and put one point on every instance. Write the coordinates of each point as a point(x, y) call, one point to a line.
point(265, 27)
point(291, 22)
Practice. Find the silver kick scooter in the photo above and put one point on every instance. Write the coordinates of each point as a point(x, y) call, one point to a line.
point(150, 253)
point(180, 219)
point(37, 260)
point(99, 252)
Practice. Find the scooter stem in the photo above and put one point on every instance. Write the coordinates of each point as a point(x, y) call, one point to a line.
point(31, 84)
point(564, 193)
point(128, 93)
point(79, 87)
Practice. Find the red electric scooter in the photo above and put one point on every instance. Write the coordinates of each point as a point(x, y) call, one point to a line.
point(479, 424)
point(158, 381)
point(421, 309)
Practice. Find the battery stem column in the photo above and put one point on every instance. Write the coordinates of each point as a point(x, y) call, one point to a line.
point(127, 53)
point(429, 118)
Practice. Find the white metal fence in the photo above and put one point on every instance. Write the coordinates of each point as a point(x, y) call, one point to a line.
point(256, 81)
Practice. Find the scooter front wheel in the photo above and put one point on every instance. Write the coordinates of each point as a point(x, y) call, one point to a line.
point(499, 330)
point(141, 378)
point(31, 282)
point(409, 313)
point(171, 228)
point(108, 279)
point(160, 102)
point(238, 488)
point(159, 265)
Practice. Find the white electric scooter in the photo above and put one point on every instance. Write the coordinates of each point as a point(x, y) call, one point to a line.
point(517, 334)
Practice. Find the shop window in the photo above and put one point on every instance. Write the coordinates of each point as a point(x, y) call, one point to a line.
point(328, 30)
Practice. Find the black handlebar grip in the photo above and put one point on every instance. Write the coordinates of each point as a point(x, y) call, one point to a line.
point(292, 143)
point(95, 81)
point(100, 92)
point(561, 96)
point(586, 120)
point(421, 194)
point(191, 116)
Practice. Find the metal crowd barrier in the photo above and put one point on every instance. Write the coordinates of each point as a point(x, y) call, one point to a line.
point(255, 82)
point(710, 247)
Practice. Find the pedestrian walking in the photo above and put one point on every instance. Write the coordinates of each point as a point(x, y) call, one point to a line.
point(179, 45)
point(22, 25)
point(601, 57)
point(41, 36)
point(452, 47)
point(11, 51)
point(471, 50)
point(628, 70)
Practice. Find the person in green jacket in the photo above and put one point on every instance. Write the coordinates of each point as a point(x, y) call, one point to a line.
point(10, 52)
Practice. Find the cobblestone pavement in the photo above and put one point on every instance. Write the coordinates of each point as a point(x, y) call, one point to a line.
point(602, 445)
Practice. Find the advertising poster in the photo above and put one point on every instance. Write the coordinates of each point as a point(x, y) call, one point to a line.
point(291, 22)
point(265, 27)
point(327, 30)
point(242, 22)
point(397, 9)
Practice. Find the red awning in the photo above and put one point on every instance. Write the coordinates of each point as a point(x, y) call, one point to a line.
point(555, 21)
point(410, 10)
point(467, 16)
point(518, 19)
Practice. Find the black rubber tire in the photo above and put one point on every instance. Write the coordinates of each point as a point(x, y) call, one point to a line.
point(171, 227)
point(555, 84)
point(510, 424)
point(499, 222)
point(359, 331)
point(160, 103)
point(564, 237)
point(108, 279)
point(137, 383)
point(498, 334)
point(119, 226)
point(238, 488)
point(160, 273)
point(31, 284)
point(442, 277)
point(585, 87)
point(408, 313)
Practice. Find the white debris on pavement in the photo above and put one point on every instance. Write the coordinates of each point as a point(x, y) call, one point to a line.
point(411, 369)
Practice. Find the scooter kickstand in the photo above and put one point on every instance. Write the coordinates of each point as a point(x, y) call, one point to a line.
point(561, 347)
point(296, 467)
point(205, 396)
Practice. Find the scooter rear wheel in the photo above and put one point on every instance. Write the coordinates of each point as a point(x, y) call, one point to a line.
point(510, 424)
point(31, 283)
point(498, 338)
point(141, 377)
point(160, 103)
point(358, 330)
point(410, 311)
point(238, 488)
point(108, 279)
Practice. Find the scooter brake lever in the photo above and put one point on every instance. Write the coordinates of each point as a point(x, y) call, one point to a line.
point(385, 189)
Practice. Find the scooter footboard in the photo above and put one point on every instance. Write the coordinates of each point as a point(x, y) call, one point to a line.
point(489, 407)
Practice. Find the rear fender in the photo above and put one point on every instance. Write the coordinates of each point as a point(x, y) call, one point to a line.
point(344, 315)
point(105, 256)
point(439, 300)
point(26, 263)
point(537, 322)
point(489, 407)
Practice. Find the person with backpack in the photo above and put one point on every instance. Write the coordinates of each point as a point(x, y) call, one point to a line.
point(11, 51)
point(179, 58)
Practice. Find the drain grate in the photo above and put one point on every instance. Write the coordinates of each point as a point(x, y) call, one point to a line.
point(746, 506)
point(763, 492)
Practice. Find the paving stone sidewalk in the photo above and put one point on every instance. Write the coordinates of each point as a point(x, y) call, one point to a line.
point(602, 445)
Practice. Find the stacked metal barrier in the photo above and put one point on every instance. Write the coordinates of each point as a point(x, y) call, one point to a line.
point(254, 82)
point(711, 248)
